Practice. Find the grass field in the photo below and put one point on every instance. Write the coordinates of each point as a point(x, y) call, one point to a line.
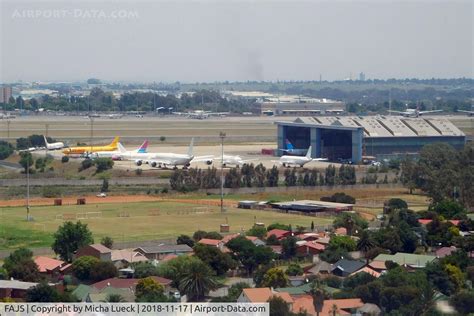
point(146, 221)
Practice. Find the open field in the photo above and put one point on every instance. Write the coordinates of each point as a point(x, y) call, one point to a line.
point(142, 217)
point(133, 221)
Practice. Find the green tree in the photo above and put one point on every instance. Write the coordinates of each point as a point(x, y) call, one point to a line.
point(288, 247)
point(6, 149)
point(272, 177)
point(42, 293)
point(197, 280)
point(249, 255)
point(21, 266)
point(148, 290)
point(220, 262)
point(365, 243)
point(342, 242)
point(278, 307)
point(236, 289)
point(114, 298)
point(107, 242)
point(105, 186)
point(275, 277)
point(463, 302)
point(396, 204)
point(145, 269)
point(69, 238)
point(185, 240)
point(103, 270)
point(103, 164)
point(84, 266)
point(257, 231)
point(294, 269)
point(26, 160)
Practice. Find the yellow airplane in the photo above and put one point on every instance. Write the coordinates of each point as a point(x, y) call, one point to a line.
point(78, 150)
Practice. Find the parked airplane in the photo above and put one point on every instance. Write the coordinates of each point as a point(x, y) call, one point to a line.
point(231, 160)
point(298, 161)
point(80, 150)
point(6, 116)
point(123, 154)
point(53, 146)
point(200, 114)
point(414, 112)
point(163, 160)
point(469, 113)
point(292, 150)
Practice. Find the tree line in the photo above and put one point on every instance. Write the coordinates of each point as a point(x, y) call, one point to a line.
point(249, 176)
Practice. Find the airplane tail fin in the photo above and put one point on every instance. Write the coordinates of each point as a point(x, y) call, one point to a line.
point(308, 153)
point(289, 145)
point(115, 141)
point(45, 141)
point(190, 149)
point(143, 147)
point(121, 148)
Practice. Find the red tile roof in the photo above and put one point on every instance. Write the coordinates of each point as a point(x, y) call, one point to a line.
point(315, 245)
point(210, 242)
point(262, 295)
point(378, 265)
point(425, 221)
point(445, 251)
point(46, 264)
point(100, 248)
point(229, 237)
point(279, 233)
point(341, 231)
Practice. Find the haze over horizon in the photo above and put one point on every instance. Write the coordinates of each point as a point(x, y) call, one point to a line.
point(207, 41)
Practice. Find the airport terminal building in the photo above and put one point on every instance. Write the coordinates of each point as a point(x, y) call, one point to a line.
point(352, 137)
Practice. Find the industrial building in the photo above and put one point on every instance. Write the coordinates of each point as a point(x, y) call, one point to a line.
point(310, 206)
point(297, 105)
point(351, 137)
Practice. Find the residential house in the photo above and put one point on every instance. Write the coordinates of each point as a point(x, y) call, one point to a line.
point(340, 231)
point(263, 295)
point(309, 248)
point(159, 252)
point(330, 307)
point(321, 267)
point(445, 251)
point(378, 266)
point(277, 249)
point(128, 295)
point(256, 241)
point(296, 291)
point(345, 267)
point(49, 266)
point(212, 242)
point(368, 270)
point(279, 233)
point(407, 259)
point(98, 251)
point(14, 289)
point(124, 257)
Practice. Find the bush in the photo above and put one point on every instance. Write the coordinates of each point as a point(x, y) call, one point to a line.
point(51, 191)
point(86, 164)
point(103, 164)
point(339, 197)
point(138, 172)
point(6, 149)
point(294, 269)
point(83, 267)
point(64, 159)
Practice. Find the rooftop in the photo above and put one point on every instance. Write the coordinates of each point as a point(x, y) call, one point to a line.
point(262, 295)
point(385, 126)
point(46, 264)
point(166, 249)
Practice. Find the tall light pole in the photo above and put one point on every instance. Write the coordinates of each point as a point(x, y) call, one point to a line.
point(28, 155)
point(222, 136)
point(8, 129)
point(92, 131)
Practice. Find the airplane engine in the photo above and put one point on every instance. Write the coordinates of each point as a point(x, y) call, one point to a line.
point(153, 164)
point(209, 162)
point(188, 164)
point(138, 162)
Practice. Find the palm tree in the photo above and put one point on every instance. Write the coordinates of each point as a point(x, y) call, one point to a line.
point(197, 280)
point(114, 298)
point(365, 243)
point(318, 294)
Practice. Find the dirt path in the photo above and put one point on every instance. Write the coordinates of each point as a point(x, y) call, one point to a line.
point(112, 199)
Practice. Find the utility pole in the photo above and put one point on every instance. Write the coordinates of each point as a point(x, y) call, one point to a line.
point(47, 128)
point(8, 129)
point(222, 136)
point(92, 131)
point(28, 186)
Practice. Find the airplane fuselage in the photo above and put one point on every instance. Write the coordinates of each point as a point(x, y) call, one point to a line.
point(288, 161)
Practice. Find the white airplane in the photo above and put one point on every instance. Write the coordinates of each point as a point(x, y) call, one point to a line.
point(298, 161)
point(53, 146)
point(200, 114)
point(414, 112)
point(164, 160)
point(6, 116)
point(231, 160)
point(469, 113)
point(123, 154)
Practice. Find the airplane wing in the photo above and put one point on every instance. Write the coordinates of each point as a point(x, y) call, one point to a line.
point(203, 158)
point(320, 159)
point(399, 112)
point(160, 161)
point(433, 111)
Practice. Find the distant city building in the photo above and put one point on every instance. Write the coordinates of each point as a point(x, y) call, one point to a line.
point(5, 94)
point(362, 76)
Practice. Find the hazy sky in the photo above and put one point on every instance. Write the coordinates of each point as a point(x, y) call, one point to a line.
point(234, 40)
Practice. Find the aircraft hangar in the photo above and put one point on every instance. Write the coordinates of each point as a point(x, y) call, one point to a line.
point(352, 137)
